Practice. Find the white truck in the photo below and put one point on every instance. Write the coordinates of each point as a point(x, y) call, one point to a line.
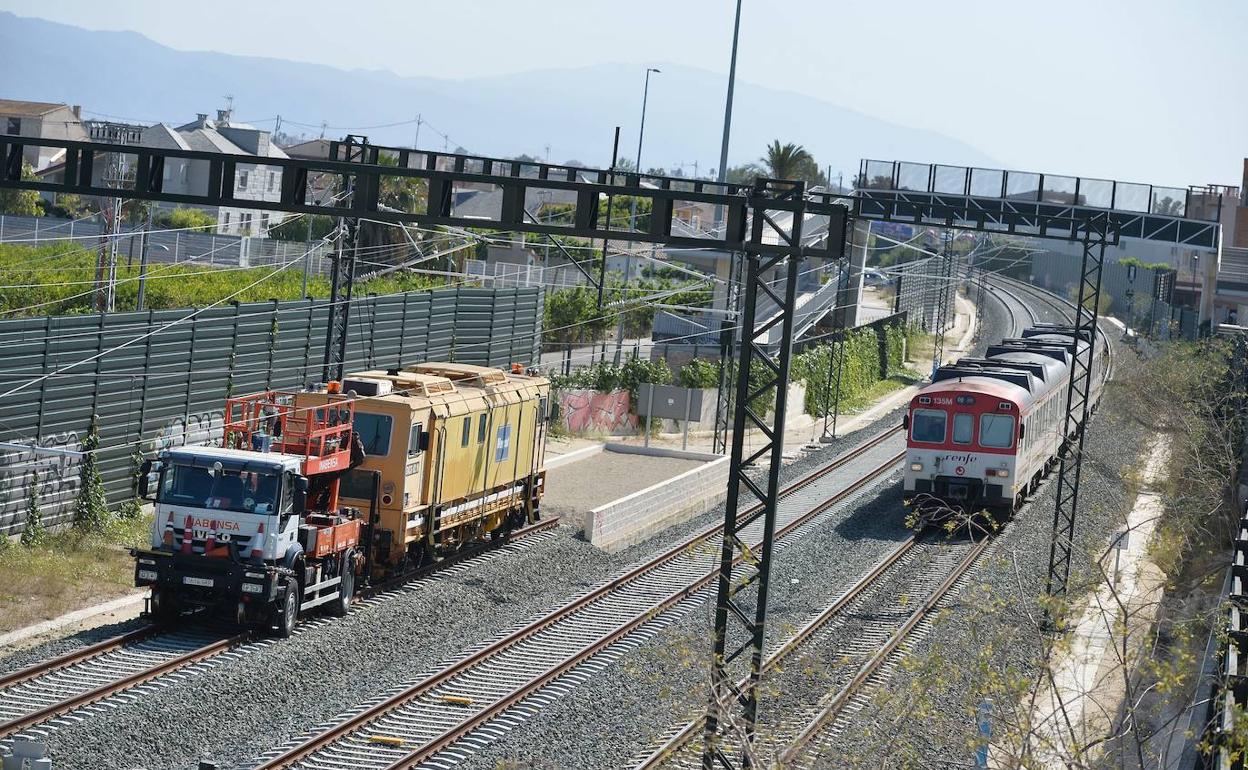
point(252, 529)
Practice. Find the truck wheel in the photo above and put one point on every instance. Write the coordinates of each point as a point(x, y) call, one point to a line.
point(288, 611)
point(165, 606)
point(346, 588)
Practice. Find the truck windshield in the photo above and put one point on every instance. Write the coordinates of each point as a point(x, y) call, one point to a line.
point(227, 490)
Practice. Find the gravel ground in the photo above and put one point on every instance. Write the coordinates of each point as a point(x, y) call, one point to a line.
point(577, 487)
point(65, 645)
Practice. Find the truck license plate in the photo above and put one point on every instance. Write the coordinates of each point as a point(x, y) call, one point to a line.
point(198, 581)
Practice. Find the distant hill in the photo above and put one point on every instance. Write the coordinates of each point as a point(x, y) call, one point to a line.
point(573, 111)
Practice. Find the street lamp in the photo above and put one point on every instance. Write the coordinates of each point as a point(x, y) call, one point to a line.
point(632, 213)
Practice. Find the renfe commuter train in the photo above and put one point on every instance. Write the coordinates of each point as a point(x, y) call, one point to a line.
point(986, 430)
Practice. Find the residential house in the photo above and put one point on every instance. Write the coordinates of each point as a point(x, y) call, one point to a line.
point(42, 120)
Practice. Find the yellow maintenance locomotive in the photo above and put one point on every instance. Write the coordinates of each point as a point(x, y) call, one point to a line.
point(460, 450)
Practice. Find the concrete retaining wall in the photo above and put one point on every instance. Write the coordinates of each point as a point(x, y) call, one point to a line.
point(631, 519)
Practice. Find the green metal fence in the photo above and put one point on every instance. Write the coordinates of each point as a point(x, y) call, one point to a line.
point(160, 378)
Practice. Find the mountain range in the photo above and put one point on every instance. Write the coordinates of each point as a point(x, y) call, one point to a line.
point(572, 111)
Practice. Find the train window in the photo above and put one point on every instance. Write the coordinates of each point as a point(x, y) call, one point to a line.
point(928, 425)
point(467, 431)
point(357, 484)
point(502, 448)
point(996, 430)
point(481, 429)
point(963, 425)
point(374, 431)
point(413, 440)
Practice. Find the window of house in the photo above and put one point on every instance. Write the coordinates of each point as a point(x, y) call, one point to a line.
point(272, 181)
point(226, 221)
point(963, 425)
point(242, 180)
point(14, 126)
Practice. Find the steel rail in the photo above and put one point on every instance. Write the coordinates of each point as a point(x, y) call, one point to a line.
point(42, 668)
point(155, 630)
point(314, 744)
point(98, 693)
point(834, 707)
point(692, 730)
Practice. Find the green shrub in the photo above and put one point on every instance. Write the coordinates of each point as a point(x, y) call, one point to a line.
point(699, 373)
point(183, 218)
point(33, 532)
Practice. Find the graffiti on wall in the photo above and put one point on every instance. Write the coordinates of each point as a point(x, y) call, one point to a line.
point(57, 474)
point(589, 411)
point(203, 428)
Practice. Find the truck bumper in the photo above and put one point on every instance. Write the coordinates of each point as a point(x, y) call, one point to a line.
point(205, 581)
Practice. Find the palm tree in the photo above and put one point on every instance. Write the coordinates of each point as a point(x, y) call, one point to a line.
point(787, 161)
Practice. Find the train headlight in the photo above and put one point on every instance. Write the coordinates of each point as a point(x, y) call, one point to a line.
point(916, 466)
point(147, 574)
point(1000, 473)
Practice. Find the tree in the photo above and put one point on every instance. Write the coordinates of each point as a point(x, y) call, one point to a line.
point(33, 532)
point(21, 202)
point(69, 206)
point(786, 161)
point(1168, 205)
point(743, 174)
point(91, 507)
point(296, 228)
point(572, 316)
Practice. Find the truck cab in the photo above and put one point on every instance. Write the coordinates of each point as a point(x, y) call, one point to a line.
point(233, 530)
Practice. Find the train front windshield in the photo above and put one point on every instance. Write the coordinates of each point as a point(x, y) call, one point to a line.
point(928, 426)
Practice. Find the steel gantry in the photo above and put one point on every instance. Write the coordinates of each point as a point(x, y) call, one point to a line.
point(1096, 235)
point(741, 598)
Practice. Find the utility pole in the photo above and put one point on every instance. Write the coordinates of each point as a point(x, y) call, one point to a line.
point(722, 174)
point(416, 140)
point(632, 216)
point(147, 226)
point(307, 255)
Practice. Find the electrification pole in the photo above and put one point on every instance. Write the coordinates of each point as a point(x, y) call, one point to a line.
point(632, 217)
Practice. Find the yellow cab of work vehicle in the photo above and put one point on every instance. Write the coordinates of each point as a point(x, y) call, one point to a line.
point(460, 450)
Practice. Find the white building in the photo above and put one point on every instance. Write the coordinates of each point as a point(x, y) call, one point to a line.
point(253, 181)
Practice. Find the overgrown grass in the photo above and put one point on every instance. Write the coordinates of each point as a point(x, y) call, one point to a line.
point(69, 570)
point(55, 280)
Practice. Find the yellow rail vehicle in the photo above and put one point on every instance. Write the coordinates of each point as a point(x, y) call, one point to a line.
point(460, 450)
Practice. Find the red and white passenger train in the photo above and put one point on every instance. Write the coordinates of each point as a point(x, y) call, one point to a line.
point(986, 430)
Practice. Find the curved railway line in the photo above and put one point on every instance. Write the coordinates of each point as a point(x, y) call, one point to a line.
point(34, 696)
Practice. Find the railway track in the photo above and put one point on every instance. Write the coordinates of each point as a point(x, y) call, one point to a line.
point(35, 696)
point(821, 731)
point(445, 715)
point(851, 630)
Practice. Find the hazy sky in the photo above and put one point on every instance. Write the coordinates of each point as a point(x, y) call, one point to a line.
point(1147, 90)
